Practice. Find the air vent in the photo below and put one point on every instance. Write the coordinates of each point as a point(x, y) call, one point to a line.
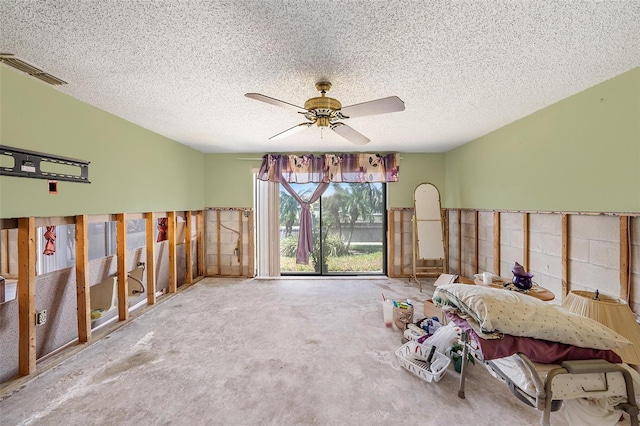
point(23, 66)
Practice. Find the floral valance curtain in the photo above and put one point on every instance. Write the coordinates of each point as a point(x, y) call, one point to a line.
point(348, 168)
point(324, 169)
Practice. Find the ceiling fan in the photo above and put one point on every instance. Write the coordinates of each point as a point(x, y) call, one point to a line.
point(327, 112)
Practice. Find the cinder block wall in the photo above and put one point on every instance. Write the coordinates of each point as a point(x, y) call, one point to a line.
point(511, 242)
point(485, 241)
point(229, 247)
point(593, 252)
point(545, 251)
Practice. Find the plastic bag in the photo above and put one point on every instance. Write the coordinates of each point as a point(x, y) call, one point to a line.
point(444, 337)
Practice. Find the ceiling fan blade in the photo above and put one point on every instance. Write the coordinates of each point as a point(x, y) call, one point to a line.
point(349, 134)
point(273, 101)
point(378, 106)
point(291, 131)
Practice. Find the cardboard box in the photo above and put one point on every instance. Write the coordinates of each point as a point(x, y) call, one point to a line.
point(431, 310)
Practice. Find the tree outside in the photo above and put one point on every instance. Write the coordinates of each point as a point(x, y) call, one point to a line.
point(351, 239)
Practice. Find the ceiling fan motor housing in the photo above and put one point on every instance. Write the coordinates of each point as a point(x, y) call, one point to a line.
point(322, 109)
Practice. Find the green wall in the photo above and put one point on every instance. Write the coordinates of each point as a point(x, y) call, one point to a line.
point(579, 154)
point(416, 168)
point(229, 178)
point(132, 169)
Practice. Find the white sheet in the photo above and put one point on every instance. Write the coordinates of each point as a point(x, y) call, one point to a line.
point(579, 407)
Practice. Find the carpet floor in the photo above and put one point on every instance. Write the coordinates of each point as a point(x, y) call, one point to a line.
point(248, 352)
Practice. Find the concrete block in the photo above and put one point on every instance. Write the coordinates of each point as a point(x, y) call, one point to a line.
point(635, 283)
point(595, 277)
point(604, 253)
point(485, 219)
point(546, 223)
point(505, 237)
point(467, 269)
point(482, 233)
point(604, 228)
point(535, 241)
point(505, 270)
point(468, 231)
point(228, 270)
point(511, 221)
point(510, 255)
point(468, 217)
point(517, 239)
point(485, 263)
point(549, 265)
point(579, 249)
point(485, 248)
point(552, 244)
point(634, 223)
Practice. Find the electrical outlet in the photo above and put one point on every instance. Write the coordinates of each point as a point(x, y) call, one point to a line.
point(41, 317)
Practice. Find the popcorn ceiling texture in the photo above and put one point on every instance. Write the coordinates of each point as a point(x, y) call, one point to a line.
point(463, 69)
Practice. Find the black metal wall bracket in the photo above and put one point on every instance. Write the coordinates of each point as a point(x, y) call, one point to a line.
point(27, 164)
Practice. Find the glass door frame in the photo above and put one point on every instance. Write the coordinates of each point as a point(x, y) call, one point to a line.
point(320, 272)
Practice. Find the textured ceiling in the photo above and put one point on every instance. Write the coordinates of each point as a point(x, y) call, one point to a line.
point(463, 69)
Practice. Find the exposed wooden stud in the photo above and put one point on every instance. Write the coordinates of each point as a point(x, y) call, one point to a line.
point(565, 256)
point(459, 242)
point(171, 233)
point(219, 254)
point(445, 222)
point(251, 271)
point(578, 213)
point(150, 268)
point(83, 292)
point(625, 293)
point(496, 243)
point(188, 251)
point(402, 242)
point(525, 244)
point(241, 242)
point(121, 251)
point(200, 242)
point(391, 238)
point(26, 296)
point(477, 242)
point(4, 253)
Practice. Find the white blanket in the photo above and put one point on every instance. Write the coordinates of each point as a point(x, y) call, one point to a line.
point(492, 311)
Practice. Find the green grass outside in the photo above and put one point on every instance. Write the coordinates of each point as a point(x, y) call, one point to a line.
point(370, 262)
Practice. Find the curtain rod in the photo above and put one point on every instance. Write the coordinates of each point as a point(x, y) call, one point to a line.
point(260, 159)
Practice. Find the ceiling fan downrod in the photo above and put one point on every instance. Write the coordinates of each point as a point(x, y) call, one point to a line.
point(322, 109)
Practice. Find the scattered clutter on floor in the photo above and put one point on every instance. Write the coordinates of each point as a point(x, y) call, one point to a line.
point(429, 346)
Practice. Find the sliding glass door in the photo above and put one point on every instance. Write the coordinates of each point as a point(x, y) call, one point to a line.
point(348, 224)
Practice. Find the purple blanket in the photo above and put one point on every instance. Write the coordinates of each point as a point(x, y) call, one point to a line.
point(537, 350)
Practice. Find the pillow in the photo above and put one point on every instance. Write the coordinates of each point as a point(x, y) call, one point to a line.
point(536, 350)
point(508, 312)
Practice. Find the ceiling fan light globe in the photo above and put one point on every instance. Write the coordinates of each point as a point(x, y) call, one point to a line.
point(323, 122)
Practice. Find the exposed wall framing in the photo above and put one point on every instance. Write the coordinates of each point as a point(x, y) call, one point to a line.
point(229, 242)
point(400, 245)
point(82, 279)
point(564, 250)
point(66, 294)
point(27, 296)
